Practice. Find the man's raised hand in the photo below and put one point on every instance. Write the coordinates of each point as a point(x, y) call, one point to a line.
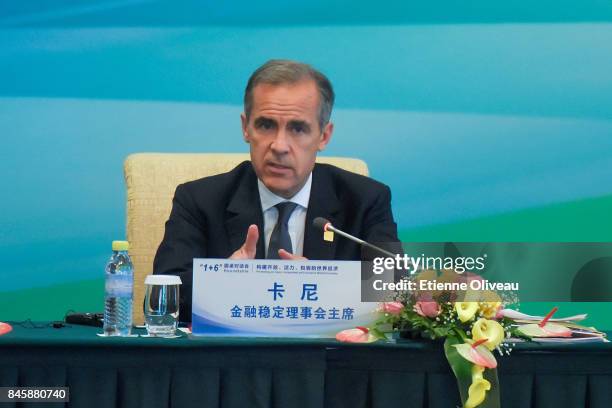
point(249, 248)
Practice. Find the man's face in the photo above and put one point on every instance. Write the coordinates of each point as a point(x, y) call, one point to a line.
point(284, 134)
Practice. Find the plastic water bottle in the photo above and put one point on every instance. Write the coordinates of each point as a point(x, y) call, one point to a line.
point(118, 291)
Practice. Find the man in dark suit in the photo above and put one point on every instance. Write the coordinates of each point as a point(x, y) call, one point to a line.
point(264, 208)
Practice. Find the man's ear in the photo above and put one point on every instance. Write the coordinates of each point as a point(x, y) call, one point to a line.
point(326, 135)
point(244, 121)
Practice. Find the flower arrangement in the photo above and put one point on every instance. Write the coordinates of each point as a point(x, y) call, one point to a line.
point(472, 329)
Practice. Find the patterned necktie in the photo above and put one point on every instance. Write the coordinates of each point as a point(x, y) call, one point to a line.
point(280, 238)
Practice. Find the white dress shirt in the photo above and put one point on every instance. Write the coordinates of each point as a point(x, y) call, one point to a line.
point(297, 220)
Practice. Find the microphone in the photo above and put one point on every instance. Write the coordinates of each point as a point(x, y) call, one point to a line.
point(326, 225)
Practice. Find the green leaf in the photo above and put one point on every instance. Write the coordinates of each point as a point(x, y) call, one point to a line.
point(378, 334)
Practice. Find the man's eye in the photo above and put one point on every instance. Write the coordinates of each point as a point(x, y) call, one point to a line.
point(297, 128)
point(264, 124)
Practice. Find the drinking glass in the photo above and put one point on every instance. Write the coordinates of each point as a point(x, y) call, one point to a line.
point(161, 305)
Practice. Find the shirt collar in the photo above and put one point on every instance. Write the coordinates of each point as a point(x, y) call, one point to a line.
point(269, 199)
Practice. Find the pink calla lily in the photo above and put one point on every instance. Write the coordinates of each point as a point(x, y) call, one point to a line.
point(477, 354)
point(356, 335)
point(548, 330)
point(5, 328)
point(545, 329)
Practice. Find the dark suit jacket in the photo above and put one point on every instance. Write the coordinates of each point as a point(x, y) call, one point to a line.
point(210, 217)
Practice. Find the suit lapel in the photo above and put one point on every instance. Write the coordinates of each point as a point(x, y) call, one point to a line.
point(323, 203)
point(243, 210)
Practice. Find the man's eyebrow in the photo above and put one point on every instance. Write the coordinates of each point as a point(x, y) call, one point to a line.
point(260, 120)
point(298, 122)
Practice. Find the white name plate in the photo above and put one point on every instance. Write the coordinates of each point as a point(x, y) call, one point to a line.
point(275, 298)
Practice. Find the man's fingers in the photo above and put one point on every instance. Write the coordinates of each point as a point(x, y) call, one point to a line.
point(248, 250)
point(250, 243)
point(288, 256)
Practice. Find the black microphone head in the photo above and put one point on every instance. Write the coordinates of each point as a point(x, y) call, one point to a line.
point(320, 223)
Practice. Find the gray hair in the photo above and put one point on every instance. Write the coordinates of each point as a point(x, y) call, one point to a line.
point(277, 72)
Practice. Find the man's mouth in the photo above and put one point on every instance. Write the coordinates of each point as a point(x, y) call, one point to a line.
point(277, 167)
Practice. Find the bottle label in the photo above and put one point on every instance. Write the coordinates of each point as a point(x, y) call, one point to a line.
point(118, 285)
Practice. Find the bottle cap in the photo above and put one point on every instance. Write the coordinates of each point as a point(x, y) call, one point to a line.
point(162, 280)
point(121, 245)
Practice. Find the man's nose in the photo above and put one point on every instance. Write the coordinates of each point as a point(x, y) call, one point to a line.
point(280, 144)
